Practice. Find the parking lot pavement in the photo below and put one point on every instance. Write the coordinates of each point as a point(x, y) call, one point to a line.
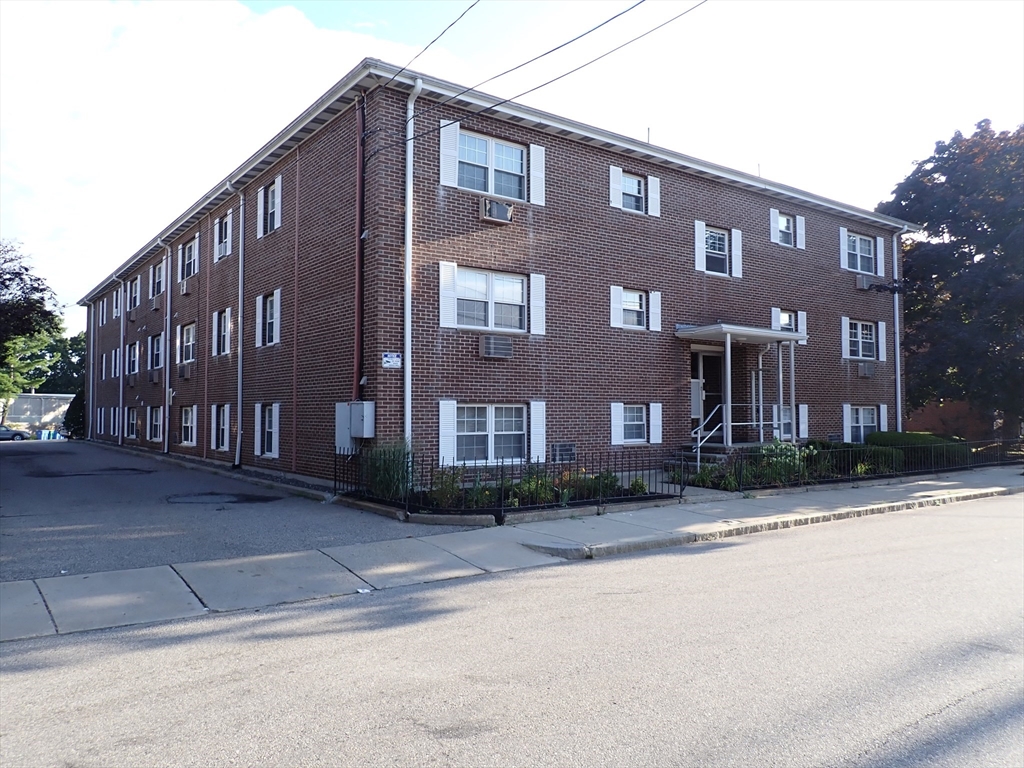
point(71, 508)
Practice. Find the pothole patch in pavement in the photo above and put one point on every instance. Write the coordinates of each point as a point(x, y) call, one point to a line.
point(220, 498)
point(105, 472)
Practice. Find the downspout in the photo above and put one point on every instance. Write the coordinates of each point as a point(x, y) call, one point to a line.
point(206, 357)
point(357, 351)
point(92, 367)
point(295, 321)
point(409, 136)
point(896, 327)
point(121, 365)
point(238, 335)
point(166, 349)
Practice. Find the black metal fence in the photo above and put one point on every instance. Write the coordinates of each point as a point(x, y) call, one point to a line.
point(777, 465)
point(393, 476)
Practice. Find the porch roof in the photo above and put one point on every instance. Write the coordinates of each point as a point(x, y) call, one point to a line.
point(743, 334)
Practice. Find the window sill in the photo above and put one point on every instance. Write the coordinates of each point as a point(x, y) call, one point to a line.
point(714, 274)
point(493, 195)
point(478, 329)
point(633, 211)
point(858, 272)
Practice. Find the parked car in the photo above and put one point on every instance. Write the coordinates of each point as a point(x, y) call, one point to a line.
point(6, 433)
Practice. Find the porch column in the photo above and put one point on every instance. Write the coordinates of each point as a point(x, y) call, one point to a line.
point(760, 395)
point(792, 391)
point(780, 396)
point(727, 416)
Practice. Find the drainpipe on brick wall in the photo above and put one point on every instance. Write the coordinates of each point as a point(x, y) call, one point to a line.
point(357, 350)
point(409, 143)
point(92, 368)
point(165, 351)
point(124, 362)
point(238, 335)
point(896, 327)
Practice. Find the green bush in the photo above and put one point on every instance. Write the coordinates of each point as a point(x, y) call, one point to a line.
point(387, 471)
point(446, 487)
point(638, 487)
point(837, 460)
point(535, 488)
point(923, 451)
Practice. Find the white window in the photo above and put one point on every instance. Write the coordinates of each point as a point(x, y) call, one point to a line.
point(115, 363)
point(863, 421)
point(188, 425)
point(154, 423)
point(117, 303)
point(267, 434)
point(862, 340)
point(634, 193)
point(99, 421)
point(222, 237)
point(472, 298)
point(114, 422)
point(269, 208)
point(635, 423)
point(787, 229)
point(156, 349)
point(187, 343)
point(103, 367)
point(131, 358)
point(718, 251)
point(635, 309)
point(102, 312)
point(130, 426)
point(268, 318)
point(860, 254)
point(490, 433)
point(134, 292)
point(220, 426)
point(188, 259)
point(490, 165)
point(156, 279)
point(220, 343)
point(787, 320)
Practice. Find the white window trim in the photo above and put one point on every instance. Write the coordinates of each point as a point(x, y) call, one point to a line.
point(131, 427)
point(652, 309)
point(534, 301)
point(653, 416)
point(878, 246)
point(534, 431)
point(848, 425)
point(733, 250)
point(651, 192)
point(156, 411)
point(260, 306)
point(532, 154)
point(193, 412)
point(879, 331)
point(182, 345)
point(259, 449)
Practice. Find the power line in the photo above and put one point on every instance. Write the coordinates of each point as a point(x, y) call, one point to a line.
point(520, 66)
point(549, 82)
point(431, 43)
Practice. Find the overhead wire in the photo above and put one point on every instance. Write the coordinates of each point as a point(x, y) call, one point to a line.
point(432, 107)
point(427, 46)
point(547, 83)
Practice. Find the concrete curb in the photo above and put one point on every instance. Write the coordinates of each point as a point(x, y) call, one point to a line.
point(590, 552)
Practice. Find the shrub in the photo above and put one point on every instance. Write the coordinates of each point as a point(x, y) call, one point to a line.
point(924, 451)
point(638, 487)
point(535, 488)
point(446, 487)
point(386, 468)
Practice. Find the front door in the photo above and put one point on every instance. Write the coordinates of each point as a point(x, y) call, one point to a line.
point(706, 375)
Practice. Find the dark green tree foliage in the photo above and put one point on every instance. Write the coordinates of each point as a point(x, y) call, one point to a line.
point(66, 356)
point(964, 279)
point(74, 417)
point(25, 300)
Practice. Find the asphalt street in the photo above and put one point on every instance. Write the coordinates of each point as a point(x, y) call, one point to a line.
point(75, 507)
point(892, 640)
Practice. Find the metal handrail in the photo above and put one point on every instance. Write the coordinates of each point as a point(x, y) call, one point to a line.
point(696, 432)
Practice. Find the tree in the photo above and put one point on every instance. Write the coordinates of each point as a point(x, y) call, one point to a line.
point(66, 357)
point(25, 299)
point(964, 278)
point(25, 366)
point(74, 417)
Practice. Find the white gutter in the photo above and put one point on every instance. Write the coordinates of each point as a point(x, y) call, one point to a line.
point(123, 362)
point(165, 351)
point(410, 132)
point(238, 332)
point(92, 367)
point(896, 327)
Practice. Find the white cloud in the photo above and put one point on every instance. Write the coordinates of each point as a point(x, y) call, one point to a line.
point(117, 116)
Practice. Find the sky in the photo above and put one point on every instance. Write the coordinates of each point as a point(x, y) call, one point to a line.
point(115, 117)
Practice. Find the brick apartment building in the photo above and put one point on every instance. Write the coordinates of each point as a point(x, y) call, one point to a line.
point(541, 286)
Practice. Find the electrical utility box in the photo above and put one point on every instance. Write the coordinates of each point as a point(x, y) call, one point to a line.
point(351, 421)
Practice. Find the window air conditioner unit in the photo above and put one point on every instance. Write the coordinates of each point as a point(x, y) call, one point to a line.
point(222, 250)
point(494, 211)
point(154, 376)
point(185, 371)
point(496, 346)
point(563, 452)
point(155, 303)
point(863, 282)
point(184, 288)
point(131, 315)
point(131, 379)
point(866, 370)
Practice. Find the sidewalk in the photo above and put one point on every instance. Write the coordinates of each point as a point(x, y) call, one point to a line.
point(66, 604)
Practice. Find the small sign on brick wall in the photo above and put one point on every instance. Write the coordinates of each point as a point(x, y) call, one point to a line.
point(390, 359)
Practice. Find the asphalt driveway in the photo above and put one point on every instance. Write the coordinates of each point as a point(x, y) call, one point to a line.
point(76, 507)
